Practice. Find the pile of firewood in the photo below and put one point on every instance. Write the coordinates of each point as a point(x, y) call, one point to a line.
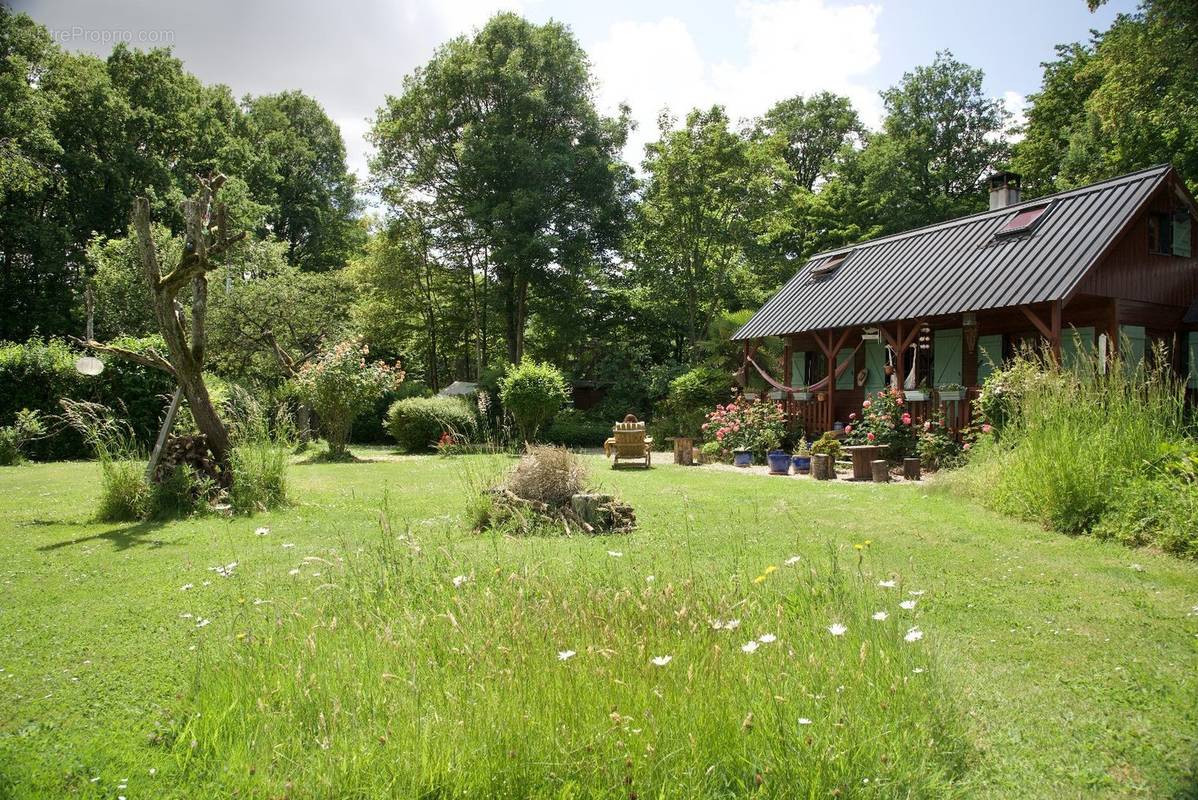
point(592, 514)
point(192, 451)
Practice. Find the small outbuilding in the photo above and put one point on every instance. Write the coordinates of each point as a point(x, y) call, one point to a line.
point(1100, 268)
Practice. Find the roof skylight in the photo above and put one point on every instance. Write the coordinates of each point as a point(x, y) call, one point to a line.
point(1023, 221)
point(827, 267)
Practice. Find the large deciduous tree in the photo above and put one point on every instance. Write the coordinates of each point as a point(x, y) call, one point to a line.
point(942, 135)
point(691, 226)
point(1126, 100)
point(300, 171)
point(499, 134)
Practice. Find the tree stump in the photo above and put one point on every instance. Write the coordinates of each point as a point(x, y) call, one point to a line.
point(881, 470)
point(822, 467)
point(683, 447)
point(911, 469)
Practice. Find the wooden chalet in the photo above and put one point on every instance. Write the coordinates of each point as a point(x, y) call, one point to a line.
point(1102, 267)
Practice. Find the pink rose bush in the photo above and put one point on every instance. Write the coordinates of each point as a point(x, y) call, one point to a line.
point(882, 421)
point(745, 425)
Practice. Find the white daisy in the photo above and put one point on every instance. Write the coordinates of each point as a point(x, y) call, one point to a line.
point(458, 580)
point(790, 562)
point(650, 578)
point(615, 553)
point(224, 571)
point(916, 592)
point(203, 622)
point(749, 647)
point(880, 616)
point(565, 655)
point(661, 661)
point(732, 624)
point(288, 545)
point(186, 586)
point(766, 638)
point(185, 615)
point(293, 572)
point(804, 721)
point(887, 584)
point(907, 605)
point(836, 629)
point(914, 635)
point(263, 531)
point(918, 670)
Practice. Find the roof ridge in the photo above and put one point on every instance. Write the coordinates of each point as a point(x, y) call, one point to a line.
point(948, 223)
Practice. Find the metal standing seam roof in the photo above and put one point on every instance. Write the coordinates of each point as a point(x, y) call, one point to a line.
point(959, 265)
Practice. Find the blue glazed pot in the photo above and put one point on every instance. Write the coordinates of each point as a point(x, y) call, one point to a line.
point(742, 458)
point(779, 462)
point(802, 464)
point(838, 426)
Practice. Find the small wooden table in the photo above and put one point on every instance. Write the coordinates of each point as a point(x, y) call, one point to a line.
point(863, 457)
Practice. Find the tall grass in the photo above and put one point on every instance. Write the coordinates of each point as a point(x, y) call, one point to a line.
point(429, 668)
point(126, 494)
point(261, 455)
point(1070, 438)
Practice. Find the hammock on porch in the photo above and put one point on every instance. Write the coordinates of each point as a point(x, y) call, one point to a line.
point(818, 386)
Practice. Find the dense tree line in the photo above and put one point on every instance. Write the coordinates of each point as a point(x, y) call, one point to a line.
point(510, 223)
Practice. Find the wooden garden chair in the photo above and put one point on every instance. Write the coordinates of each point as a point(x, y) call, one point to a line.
point(629, 443)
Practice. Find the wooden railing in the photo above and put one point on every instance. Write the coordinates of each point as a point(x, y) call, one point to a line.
point(956, 414)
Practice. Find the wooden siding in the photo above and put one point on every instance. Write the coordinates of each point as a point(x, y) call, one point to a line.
point(1130, 272)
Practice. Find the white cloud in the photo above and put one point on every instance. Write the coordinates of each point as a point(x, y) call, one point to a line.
point(791, 47)
point(1016, 104)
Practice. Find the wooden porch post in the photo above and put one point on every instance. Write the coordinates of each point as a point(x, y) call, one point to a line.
point(789, 396)
point(1050, 331)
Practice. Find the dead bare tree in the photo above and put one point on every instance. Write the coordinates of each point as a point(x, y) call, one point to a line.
point(206, 237)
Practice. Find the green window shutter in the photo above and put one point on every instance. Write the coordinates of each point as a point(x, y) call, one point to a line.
point(946, 357)
point(875, 359)
point(1181, 235)
point(849, 379)
point(1131, 348)
point(1193, 359)
point(798, 369)
point(989, 355)
point(1074, 343)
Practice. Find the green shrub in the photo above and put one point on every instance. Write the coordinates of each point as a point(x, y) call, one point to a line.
point(417, 423)
point(14, 438)
point(938, 449)
point(1157, 511)
point(827, 445)
point(691, 396)
point(532, 393)
point(370, 427)
point(573, 428)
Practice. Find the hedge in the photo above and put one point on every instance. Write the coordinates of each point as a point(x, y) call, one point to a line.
point(417, 423)
point(37, 373)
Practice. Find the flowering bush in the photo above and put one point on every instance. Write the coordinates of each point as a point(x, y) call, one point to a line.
point(340, 384)
point(746, 425)
point(884, 420)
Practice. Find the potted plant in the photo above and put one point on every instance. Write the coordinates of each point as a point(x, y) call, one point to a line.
point(742, 457)
point(746, 428)
point(779, 461)
point(952, 391)
point(802, 457)
point(804, 397)
point(917, 395)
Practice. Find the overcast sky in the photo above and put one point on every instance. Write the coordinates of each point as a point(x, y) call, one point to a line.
point(745, 54)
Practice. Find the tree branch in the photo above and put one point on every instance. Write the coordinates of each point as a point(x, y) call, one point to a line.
point(149, 358)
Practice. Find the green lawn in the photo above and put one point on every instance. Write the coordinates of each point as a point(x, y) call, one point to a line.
point(1066, 666)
